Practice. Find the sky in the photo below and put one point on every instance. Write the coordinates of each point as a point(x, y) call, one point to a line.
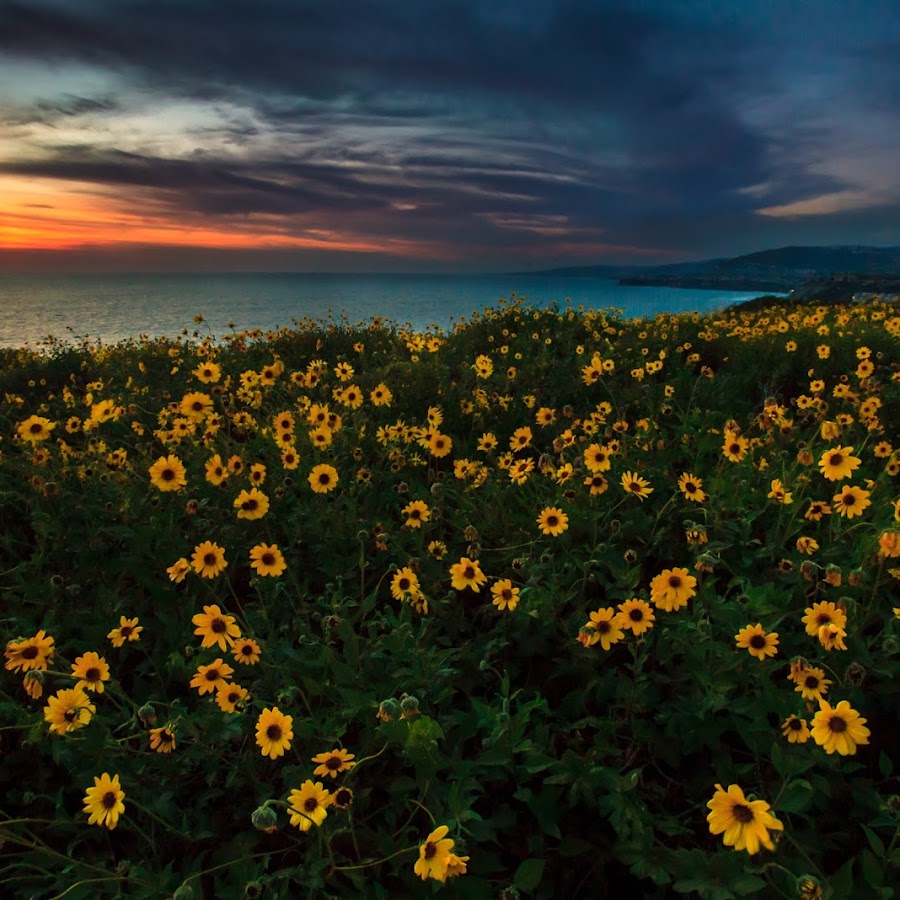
point(441, 135)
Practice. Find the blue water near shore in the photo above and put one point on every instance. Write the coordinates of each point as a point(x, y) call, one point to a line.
point(109, 308)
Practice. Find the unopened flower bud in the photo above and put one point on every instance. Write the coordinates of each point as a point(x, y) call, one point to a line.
point(808, 888)
point(855, 675)
point(147, 714)
point(389, 710)
point(409, 705)
point(264, 819)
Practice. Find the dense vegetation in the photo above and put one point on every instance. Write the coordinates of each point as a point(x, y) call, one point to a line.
point(556, 604)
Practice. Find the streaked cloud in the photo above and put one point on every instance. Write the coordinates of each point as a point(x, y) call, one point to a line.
point(447, 131)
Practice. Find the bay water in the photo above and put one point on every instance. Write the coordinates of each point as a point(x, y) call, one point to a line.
point(112, 307)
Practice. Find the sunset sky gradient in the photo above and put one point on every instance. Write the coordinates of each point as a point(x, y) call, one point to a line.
point(441, 135)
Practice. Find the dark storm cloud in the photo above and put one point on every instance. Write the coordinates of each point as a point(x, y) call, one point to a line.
point(501, 124)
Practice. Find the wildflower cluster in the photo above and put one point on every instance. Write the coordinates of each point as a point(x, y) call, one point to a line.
point(619, 564)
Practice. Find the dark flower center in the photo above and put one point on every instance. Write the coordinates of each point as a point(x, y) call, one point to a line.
point(403, 584)
point(848, 499)
point(217, 626)
point(333, 763)
point(604, 627)
point(324, 478)
point(36, 428)
point(167, 474)
point(268, 559)
point(552, 521)
point(430, 850)
point(469, 573)
point(212, 674)
point(166, 737)
point(69, 715)
point(837, 724)
point(636, 615)
point(247, 650)
point(125, 631)
point(30, 652)
point(310, 804)
point(250, 505)
point(758, 641)
point(742, 813)
point(209, 559)
point(690, 487)
point(835, 459)
point(92, 674)
point(824, 619)
point(273, 733)
point(674, 581)
point(506, 594)
point(795, 724)
point(342, 797)
point(811, 682)
point(109, 800)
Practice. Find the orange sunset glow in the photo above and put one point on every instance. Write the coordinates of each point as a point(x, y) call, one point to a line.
point(38, 215)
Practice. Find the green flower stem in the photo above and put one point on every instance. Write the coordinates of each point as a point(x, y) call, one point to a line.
point(234, 862)
point(158, 819)
point(376, 862)
point(409, 818)
point(43, 848)
point(78, 884)
point(803, 853)
point(424, 809)
point(359, 762)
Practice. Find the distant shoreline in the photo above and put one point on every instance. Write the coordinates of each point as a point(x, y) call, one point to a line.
point(706, 283)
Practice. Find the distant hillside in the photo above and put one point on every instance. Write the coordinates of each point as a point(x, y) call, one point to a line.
point(823, 260)
point(781, 269)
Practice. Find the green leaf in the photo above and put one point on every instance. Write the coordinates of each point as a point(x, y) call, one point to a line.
point(747, 884)
point(874, 841)
point(529, 874)
point(796, 796)
point(842, 883)
point(871, 868)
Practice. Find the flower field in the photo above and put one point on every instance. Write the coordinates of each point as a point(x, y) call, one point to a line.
point(557, 604)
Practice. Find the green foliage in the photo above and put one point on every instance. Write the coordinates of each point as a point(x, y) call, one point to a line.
point(560, 768)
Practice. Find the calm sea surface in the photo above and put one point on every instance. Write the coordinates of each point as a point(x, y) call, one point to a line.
point(112, 307)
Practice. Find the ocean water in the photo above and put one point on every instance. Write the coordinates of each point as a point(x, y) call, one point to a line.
point(109, 308)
